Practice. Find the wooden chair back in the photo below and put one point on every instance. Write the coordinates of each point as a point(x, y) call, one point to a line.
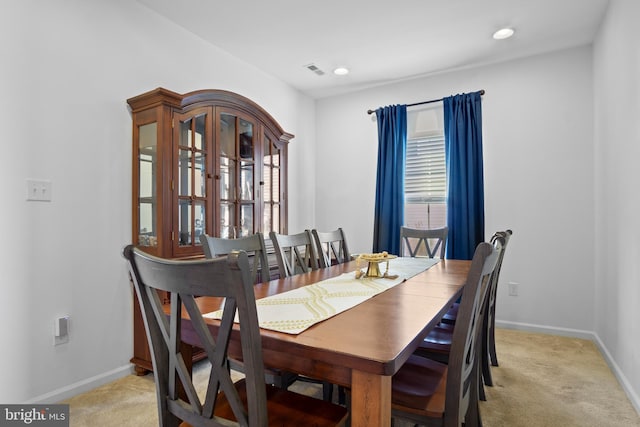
point(431, 243)
point(488, 339)
point(462, 375)
point(221, 277)
point(332, 247)
point(295, 253)
point(491, 294)
point(253, 245)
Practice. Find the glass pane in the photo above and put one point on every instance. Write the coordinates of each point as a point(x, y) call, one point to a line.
point(199, 137)
point(146, 234)
point(146, 169)
point(276, 219)
point(227, 179)
point(275, 155)
point(266, 225)
point(246, 139)
point(246, 181)
point(227, 221)
point(185, 133)
point(147, 155)
point(200, 224)
point(267, 151)
point(228, 135)
point(275, 191)
point(266, 179)
point(246, 220)
point(184, 172)
point(200, 173)
point(184, 222)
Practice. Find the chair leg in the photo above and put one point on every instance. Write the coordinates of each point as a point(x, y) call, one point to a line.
point(486, 368)
point(492, 348)
point(492, 338)
point(472, 418)
point(484, 352)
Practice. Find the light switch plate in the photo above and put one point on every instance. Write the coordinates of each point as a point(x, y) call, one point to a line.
point(61, 330)
point(39, 190)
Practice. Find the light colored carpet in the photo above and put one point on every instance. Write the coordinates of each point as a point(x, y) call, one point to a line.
point(542, 381)
point(551, 381)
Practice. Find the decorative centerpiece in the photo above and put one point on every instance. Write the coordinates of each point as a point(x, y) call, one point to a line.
point(373, 267)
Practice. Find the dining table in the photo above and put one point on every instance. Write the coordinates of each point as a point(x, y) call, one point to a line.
point(360, 348)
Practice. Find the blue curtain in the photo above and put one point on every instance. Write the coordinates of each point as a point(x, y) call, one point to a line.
point(465, 186)
point(389, 205)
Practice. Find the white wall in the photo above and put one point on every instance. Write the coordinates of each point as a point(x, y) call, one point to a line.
point(538, 150)
point(68, 68)
point(617, 106)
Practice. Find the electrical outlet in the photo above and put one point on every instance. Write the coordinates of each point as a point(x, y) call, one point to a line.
point(513, 289)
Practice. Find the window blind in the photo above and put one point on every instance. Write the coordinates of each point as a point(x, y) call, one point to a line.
point(425, 171)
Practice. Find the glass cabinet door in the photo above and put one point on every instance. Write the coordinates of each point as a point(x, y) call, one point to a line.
point(147, 185)
point(272, 201)
point(191, 180)
point(236, 147)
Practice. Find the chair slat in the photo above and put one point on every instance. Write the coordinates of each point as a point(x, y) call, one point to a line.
point(295, 253)
point(331, 247)
point(433, 240)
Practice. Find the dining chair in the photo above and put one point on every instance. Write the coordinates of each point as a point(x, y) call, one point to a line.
point(254, 246)
point(295, 253)
point(437, 344)
point(429, 392)
point(430, 243)
point(489, 326)
point(331, 247)
point(248, 401)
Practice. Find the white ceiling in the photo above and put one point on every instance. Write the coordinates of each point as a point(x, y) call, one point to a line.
point(379, 40)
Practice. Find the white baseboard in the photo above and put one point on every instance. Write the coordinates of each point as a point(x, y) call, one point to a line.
point(549, 330)
point(622, 379)
point(588, 335)
point(85, 385)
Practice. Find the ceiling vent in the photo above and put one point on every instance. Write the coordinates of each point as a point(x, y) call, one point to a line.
point(312, 67)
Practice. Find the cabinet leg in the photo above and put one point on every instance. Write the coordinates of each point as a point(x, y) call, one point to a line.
point(140, 371)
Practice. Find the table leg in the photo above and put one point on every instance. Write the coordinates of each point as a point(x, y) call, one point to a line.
point(370, 400)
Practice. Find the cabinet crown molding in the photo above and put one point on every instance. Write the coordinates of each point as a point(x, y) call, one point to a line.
point(184, 102)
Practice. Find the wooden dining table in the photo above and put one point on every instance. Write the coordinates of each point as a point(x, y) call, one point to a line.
point(360, 348)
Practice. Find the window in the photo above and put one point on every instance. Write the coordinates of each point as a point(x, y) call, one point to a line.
point(425, 199)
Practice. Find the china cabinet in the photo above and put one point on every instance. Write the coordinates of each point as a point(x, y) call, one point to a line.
point(209, 161)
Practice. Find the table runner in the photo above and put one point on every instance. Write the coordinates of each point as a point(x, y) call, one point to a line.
point(294, 311)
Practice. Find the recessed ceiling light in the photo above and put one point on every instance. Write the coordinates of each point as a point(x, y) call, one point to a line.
point(503, 33)
point(341, 71)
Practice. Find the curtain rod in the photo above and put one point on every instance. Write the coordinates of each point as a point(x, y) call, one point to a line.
point(424, 102)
